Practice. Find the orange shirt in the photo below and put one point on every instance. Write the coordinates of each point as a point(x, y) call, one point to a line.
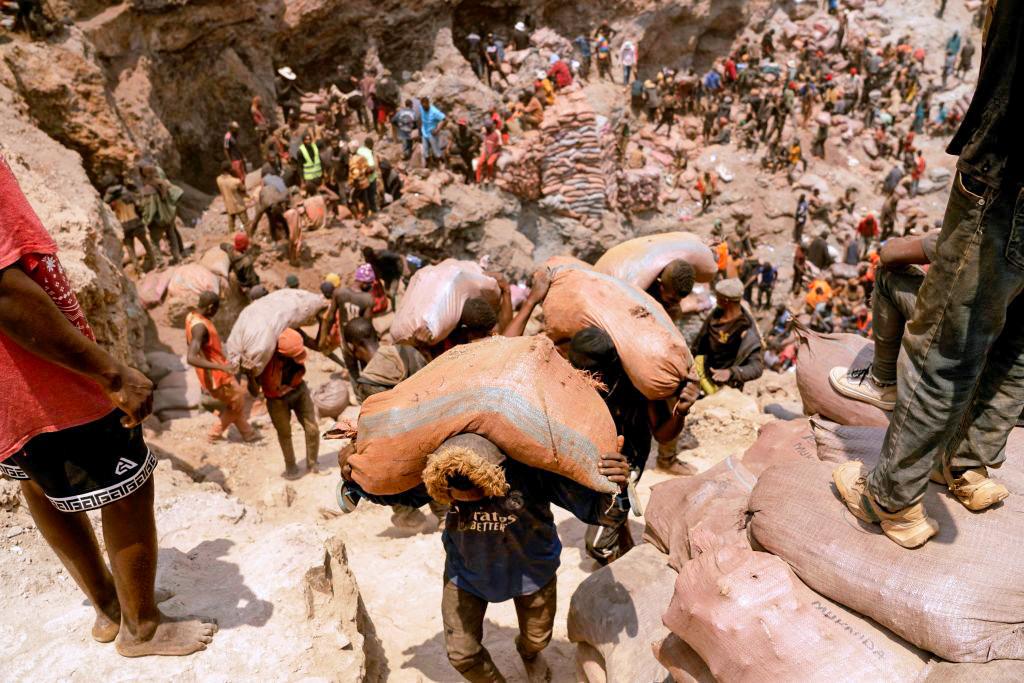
point(813, 298)
point(722, 251)
point(212, 351)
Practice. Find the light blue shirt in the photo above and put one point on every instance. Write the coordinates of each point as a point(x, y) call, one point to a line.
point(431, 119)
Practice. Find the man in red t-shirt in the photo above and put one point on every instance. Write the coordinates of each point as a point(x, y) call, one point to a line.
point(867, 231)
point(69, 431)
point(282, 383)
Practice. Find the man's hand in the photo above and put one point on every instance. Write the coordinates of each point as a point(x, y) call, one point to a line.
point(688, 396)
point(540, 285)
point(614, 466)
point(721, 376)
point(132, 392)
point(343, 455)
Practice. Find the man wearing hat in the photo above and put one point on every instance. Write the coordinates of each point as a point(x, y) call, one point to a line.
point(216, 374)
point(287, 91)
point(729, 350)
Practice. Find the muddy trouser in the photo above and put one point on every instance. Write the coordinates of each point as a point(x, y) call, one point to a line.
point(233, 412)
point(296, 401)
point(463, 617)
point(960, 371)
point(242, 218)
point(892, 305)
point(134, 231)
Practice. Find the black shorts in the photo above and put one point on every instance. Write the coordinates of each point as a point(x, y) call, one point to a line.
point(86, 467)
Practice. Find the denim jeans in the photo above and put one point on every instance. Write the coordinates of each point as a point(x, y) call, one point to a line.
point(892, 305)
point(960, 372)
point(627, 70)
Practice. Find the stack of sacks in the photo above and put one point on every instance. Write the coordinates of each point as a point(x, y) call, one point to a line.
point(517, 393)
point(574, 156)
point(640, 189)
point(519, 167)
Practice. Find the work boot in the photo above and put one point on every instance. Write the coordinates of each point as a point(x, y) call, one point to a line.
point(971, 487)
point(910, 527)
point(861, 386)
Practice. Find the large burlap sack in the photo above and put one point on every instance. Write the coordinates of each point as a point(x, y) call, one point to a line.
point(253, 339)
point(817, 355)
point(617, 611)
point(653, 351)
point(780, 441)
point(961, 595)
point(714, 500)
point(999, 671)
point(432, 305)
point(751, 620)
point(331, 398)
point(217, 262)
point(186, 284)
point(153, 287)
point(838, 443)
point(683, 664)
point(640, 261)
point(516, 392)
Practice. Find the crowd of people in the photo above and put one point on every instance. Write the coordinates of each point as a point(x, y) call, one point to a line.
point(870, 277)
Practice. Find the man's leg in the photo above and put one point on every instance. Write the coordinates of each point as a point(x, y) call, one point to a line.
point(895, 296)
point(305, 412)
point(536, 613)
point(981, 439)
point(281, 418)
point(961, 312)
point(463, 617)
point(129, 530)
point(72, 538)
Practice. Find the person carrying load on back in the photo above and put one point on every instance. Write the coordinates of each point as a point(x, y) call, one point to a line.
point(282, 383)
point(384, 366)
point(960, 377)
point(500, 543)
point(366, 299)
point(674, 283)
point(216, 375)
point(637, 420)
point(728, 350)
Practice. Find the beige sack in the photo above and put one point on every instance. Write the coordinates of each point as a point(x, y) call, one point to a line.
point(817, 355)
point(961, 595)
point(652, 350)
point(432, 305)
point(780, 441)
point(751, 620)
point(715, 500)
point(617, 611)
point(516, 392)
point(640, 261)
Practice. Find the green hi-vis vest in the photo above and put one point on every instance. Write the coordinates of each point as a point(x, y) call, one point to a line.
point(311, 169)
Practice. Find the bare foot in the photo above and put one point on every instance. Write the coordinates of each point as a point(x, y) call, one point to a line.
point(107, 624)
point(172, 637)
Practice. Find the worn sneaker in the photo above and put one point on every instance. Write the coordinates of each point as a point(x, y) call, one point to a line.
point(861, 386)
point(974, 488)
point(910, 527)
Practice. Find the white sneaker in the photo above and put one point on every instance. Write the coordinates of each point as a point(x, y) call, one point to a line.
point(861, 386)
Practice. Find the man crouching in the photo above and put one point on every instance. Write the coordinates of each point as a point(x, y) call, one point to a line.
point(500, 542)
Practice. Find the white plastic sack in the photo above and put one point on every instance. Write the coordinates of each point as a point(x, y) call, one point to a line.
point(254, 336)
point(432, 305)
